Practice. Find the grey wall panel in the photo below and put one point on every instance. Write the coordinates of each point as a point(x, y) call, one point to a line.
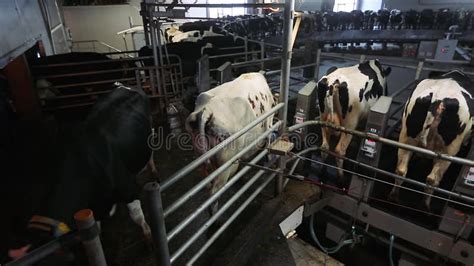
point(101, 23)
point(22, 25)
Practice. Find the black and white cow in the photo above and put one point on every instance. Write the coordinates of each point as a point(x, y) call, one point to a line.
point(438, 117)
point(345, 96)
point(98, 168)
point(223, 111)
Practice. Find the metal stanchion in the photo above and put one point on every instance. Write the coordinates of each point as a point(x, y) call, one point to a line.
point(318, 62)
point(419, 68)
point(285, 80)
point(91, 241)
point(157, 222)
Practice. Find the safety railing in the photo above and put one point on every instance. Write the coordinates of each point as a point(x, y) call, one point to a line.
point(88, 233)
point(393, 143)
point(98, 47)
point(125, 70)
point(162, 239)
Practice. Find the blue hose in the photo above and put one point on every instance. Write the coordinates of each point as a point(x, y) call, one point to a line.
point(390, 251)
point(330, 250)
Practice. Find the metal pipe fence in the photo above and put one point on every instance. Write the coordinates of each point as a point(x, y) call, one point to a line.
point(178, 228)
point(179, 202)
point(383, 140)
point(147, 7)
point(88, 233)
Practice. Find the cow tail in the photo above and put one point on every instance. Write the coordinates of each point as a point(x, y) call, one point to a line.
point(204, 118)
point(337, 108)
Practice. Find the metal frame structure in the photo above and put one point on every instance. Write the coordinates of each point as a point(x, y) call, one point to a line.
point(88, 233)
point(161, 239)
point(142, 77)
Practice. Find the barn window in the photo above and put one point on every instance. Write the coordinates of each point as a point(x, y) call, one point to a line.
point(220, 12)
point(345, 5)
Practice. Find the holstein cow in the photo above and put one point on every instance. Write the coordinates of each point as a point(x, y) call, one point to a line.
point(223, 111)
point(345, 96)
point(99, 168)
point(438, 117)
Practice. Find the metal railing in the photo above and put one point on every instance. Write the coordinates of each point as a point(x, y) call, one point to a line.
point(126, 71)
point(161, 239)
point(88, 233)
point(97, 46)
point(416, 149)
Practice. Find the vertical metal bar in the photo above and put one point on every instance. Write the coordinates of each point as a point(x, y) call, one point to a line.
point(262, 54)
point(137, 77)
point(144, 14)
point(285, 80)
point(419, 68)
point(156, 60)
point(246, 43)
point(95, 254)
point(157, 222)
point(318, 62)
point(362, 58)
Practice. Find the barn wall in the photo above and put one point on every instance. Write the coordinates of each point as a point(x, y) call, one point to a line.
point(428, 4)
point(101, 23)
point(22, 26)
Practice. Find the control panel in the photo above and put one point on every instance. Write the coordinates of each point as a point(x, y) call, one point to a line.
point(369, 152)
point(455, 216)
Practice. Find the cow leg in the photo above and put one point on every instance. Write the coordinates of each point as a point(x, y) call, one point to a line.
point(217, 184)
point(341, 149)
point(325, 144)
point(404, 157)
point(136, 213)
point(434, 178)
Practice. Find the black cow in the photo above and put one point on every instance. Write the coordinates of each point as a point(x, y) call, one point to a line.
point(427, 17)
point(383, 17)
point(369, 19)
point(411, 19)
point(357, 19)
point(98, 168)
point(444, 19)
point(344, 20)
point(331, 19)
point(462, 18)
point(189, 53)
point(396, 19)
point(201, 26)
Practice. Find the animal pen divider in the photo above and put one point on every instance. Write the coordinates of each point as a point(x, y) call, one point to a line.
point(171, 79)
point(87, 233)
point(151, 13)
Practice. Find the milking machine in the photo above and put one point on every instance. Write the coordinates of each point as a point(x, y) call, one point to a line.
point(351, 212)
point(457, 218)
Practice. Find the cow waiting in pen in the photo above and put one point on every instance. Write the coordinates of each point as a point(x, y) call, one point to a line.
point(437, 117)
point(223, 111)
point(345, 96)
point(98, 168)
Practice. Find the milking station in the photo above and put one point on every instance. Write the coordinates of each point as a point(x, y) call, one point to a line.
point(351, 81)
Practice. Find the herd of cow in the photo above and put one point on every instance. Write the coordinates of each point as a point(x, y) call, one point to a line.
point(260, 26)
point(98, 169)
point(383, 19)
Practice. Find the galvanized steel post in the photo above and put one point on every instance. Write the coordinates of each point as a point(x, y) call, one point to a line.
point(419, 68)
point(85, 222)
point(318, 62)
point(285, 80)
point(157, 222)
